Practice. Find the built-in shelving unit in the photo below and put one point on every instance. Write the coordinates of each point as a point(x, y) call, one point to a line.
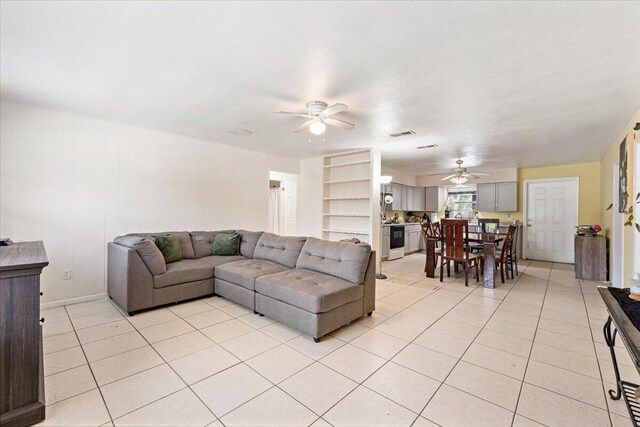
point(347, 196)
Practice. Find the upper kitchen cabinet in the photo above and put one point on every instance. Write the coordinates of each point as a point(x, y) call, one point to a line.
point(434, 198)
point(407, 195)
point(498, 197)
point(418, 199)
point(396, 193)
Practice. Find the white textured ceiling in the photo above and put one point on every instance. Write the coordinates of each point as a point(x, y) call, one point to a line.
point(500, 84)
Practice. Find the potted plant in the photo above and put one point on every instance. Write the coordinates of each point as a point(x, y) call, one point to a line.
point(448, 206)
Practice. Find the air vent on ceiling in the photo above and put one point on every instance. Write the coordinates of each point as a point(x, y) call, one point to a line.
point(399, 134)
point(427, 146)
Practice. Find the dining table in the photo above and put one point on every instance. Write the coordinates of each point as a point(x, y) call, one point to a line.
point(488, 241)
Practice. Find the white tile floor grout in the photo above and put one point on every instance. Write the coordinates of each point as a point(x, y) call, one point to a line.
point(442, 355)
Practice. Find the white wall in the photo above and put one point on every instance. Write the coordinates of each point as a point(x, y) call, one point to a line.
point(76, 182)
point(310, 183)
point(399, 177)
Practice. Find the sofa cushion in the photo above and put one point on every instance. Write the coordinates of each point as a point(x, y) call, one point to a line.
point(183, 237)
point(347, 261)
point(245, 272)
point(226, 244)
point(284, 250)
point(248, 242)
point(170, 247)
point(214, 260)
point(309, 290)
point(148, 251)
point(202, 241)
point(187, 270)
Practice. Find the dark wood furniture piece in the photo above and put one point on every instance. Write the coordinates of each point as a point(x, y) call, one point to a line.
point(22, 400)
point(591, 257)
point(455, 247)
point(430, 236)
point(482, 228)
point(502, 261)
point(513, 250)
point(630, 335)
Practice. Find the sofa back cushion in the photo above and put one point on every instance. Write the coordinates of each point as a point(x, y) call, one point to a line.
point(203, 240)
point(148, 251)
point(347, 261)
point(186, 247)
point(284, 250)
point(248, 242)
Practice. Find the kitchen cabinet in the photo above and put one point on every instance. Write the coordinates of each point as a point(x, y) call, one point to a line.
point(434, 198)
point(407, 194)
point(498, 197)
point(411, 238)
point(419, 197)
point(396, 192)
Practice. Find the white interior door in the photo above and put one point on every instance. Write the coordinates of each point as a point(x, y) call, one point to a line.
point(551, 217)
point(290, 208)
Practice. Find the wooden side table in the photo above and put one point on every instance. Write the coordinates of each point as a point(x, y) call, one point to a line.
point(591, 258)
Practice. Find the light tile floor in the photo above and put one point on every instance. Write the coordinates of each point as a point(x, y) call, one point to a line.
point(529, 352)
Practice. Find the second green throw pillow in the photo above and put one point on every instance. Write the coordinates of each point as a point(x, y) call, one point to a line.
point(226, 244)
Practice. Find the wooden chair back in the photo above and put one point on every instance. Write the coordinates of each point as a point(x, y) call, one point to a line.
point(435, 229)
point(514, 242)
point(426, 232)
point(507, 242)
point(455, 239)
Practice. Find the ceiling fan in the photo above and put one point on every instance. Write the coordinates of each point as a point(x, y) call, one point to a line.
point(319, 115)
point(461, 175)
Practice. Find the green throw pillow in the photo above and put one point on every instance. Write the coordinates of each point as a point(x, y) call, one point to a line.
point(169, 245)
point(226, 244)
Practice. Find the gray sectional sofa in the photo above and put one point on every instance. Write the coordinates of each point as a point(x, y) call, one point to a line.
point(312, 285)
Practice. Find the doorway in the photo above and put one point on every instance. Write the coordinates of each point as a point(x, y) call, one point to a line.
point(283, 204)
point(550, 216)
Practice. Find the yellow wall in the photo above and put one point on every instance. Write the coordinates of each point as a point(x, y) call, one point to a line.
point(606, 192)
point(588, 174)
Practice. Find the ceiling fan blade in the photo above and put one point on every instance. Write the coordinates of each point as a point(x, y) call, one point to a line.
point(292, 114)
point(304, 126)
point(338, 123)
point(449, 177)
point(334, 109)
point(481, 173)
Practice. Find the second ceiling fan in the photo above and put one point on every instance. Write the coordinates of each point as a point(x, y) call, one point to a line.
point(319, 115)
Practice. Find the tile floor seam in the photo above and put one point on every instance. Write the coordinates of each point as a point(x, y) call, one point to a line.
point(604, 388)
point(390, 359)
point(476, 336)
point(170, 367)
point(104, 402)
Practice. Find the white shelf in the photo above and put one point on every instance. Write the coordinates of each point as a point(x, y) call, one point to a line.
point(347, 215)
point(347, 181)
point(346, 198)
point(359, 233)
point(340, 165)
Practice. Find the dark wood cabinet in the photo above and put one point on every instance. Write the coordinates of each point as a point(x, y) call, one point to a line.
point(21, 367)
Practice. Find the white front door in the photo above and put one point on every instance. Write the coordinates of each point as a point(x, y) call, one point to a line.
point(290, 205)
point(550, 219)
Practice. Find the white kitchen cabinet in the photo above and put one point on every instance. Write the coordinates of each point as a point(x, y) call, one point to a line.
point(434, 198)
point(396, 192)
point(419, 196)
point(486, 197)
point(498, 197)
point(407, 194)
point(507, 196)
point(411, 238)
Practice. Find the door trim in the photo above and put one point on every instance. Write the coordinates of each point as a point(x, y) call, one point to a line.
point(616, 239)
point(525, 194)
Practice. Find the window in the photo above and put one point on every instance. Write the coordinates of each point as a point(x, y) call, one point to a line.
point(464, 202)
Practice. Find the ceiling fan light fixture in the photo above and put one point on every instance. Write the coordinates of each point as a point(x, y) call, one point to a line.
point(317, 128)
point(458, 180)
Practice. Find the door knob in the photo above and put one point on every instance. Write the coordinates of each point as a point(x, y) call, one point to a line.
point(42, 320)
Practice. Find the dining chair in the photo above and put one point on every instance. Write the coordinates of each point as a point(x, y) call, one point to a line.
point(502, 260)
point(427, 233)
point(513, 250)
point(455, 247)
point(485, 225)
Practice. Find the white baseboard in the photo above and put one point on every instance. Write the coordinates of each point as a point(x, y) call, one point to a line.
point(69, 301)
